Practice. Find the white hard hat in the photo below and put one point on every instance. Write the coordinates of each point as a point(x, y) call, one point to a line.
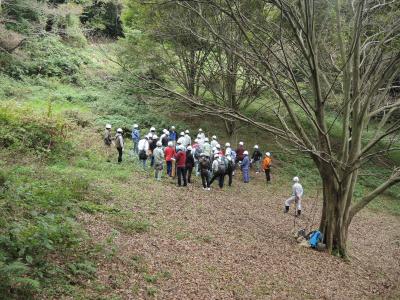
point(182, 133)
point(155, 137)
point(189, 148)
point(214, 137)
point(202, 154)
point(119, 130)
point(227, 145)
point(170, 143)
point(181, 147)
point(172, 127)
point(255, 146)
point(200, 130)
point(246, 152)
point(108, 126)
point(187, 131)
point(167, 132)
point(206, 139)
point(152, 129)
point(218, 146)
point(268, 154)
point(296, 179)
point(214, 149)
point(199, 136)
point(135, 125)
point(164, 130)
point(216, 155)
point(241, 143)
point(159, 144)
point(196, 140)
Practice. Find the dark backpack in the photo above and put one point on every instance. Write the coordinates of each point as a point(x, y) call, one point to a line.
point(142, 154)
point(204, 164)
point(222, 165)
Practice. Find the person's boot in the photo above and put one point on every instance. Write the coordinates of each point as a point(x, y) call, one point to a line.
point(298, 213)
point(286, 209)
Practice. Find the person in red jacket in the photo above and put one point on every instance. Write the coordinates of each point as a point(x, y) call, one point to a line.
point(180, 158)
point(240, 153)
point(169, 153)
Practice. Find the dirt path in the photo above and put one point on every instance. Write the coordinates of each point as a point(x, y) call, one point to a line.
point(237, 244)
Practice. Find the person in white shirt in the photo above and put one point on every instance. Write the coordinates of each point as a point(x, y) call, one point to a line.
point(201, 136)
point(143, 148)
point(297, 194)
point(188, 139)
point(228, 149)
point(182, 140)
point(214, 141)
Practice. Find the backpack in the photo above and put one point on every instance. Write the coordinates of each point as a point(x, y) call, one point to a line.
point(107, 138)
point(222, 165)
point(142, 154)
point(204, 164)
point(197, 153)
point(315, 237)
point(118, 141)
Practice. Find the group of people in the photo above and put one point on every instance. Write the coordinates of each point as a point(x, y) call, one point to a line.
point(204, 157)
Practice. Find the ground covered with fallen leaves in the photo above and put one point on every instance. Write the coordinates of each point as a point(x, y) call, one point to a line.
point(234, 243)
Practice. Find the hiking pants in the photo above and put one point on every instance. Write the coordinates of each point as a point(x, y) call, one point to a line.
point(181, 173)
point(119, 154)
point(205, 179)
point(152, 161)
point(246, 176)
point(169, 168)
point(189, 174)
point(157, 174)
point(257, 164)
point(230, 176)
point(268, 174)
point(135, 147)
point(143, 161)
point(220, 177)
point(290, 201)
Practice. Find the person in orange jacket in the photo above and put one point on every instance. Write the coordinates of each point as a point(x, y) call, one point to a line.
point(266, 165)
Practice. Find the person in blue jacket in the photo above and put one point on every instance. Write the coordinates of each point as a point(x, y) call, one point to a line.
point(173, 136)
point(135, 138)
point(245, 166)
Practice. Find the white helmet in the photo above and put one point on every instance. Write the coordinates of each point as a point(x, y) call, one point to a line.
point(167, 132)
point(181, 147)
point(218, 146)
point(152, 129)
point(172, 127)
point(241, 143)
point(255, 146)
point(170, 143)
point(196, 140)
point(155, 137)
point(108, 126)
point(199, 136)
point(202, 154)
point(119, 130)
point(159, 144)
point(296, 179)
point(135, 125)
point(214, 149)
point(187, 131)
point(206, 139)
point(227, 145)
point(182, 133)
point(200, 130)
point(164, 130)
point(246, 152)
point(268, 154)
point(214, 137)
point(189, 148)
point(216, 155)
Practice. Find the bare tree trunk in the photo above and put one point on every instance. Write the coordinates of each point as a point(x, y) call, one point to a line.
point(230, 127)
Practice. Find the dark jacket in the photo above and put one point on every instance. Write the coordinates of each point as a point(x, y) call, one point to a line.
point(205, 165)
point(256, 155)
point(153, 145)
point(239, 153)
point(189, 159)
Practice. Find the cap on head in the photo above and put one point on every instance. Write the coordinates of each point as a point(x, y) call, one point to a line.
point(296, 179)
point(135, 125)
point(119, 130)
point(255, 146)
point(241, 143)
point(202, 154)
point(108, 126)
point(182, 133)
point(167, 132)
point(227, 145)
point(189, 148)
point(172, 127)
point(214, 137)
point(246, 152)
point(268, 154)
point(152, 129)
point(218, 146)
point(159, 144)
point(216, 155)
point(155, 137)
point(187, 131)
point(196, 140)
point(170, 143)
point(200, 130)
point(206, 139)
point(164, 130)
point(146, 137)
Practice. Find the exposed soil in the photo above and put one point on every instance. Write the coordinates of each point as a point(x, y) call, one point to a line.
point(237, 243)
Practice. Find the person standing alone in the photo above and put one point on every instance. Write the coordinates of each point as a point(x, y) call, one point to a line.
point(266, 165)
point(297, 194)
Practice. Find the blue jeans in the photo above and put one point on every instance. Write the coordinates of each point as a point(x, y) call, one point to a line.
point(169, 168)
point(246, 176)
point(135, 147)
point(143, 161)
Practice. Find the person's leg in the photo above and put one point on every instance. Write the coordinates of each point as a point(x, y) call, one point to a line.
point(152, 161)
point(268, 175)
point(169, 168)
point(155, 173)
point(298, 202)
point(189, 175)
point(159, 174)
point(203, 180)
point(230, 176)
point(288, 202)
point(119, 154)
point(257, 165)
point(179, 174)
point(221, 180)
point(184, 176)
point(213, 178)
point(208, 181)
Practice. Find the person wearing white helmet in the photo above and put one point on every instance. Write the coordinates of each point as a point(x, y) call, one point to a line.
point(164, 138)
point(180, 158)
point(219, 167)
point(297, 194)
point(266, 165)
point(256, 158)
point(169, 152)
point(214, 141)
point(153, 145)
point(228, 149)
point(239, 153)
point(188, 139)
point(181, 140)
point(201, 136)
point(189, 164)
point(108, 141)
point(158, 155)
point(173, 135)
point(135, 138)
point(144, 149)
point(152, 132)
point(245, 166)
point(119, 144)
point(205, 166)
point(207, 148)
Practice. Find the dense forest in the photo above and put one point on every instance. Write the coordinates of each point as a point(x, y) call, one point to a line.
point(314, 83)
